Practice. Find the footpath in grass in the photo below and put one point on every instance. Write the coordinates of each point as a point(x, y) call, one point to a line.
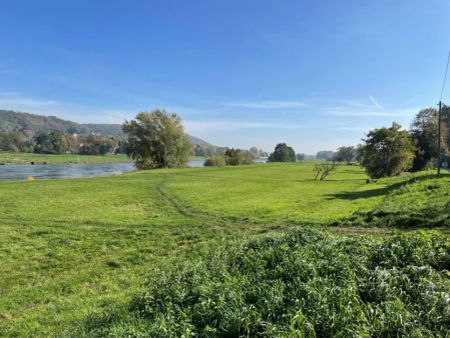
point(72, 247)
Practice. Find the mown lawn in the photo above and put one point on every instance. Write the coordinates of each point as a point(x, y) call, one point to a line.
point(70, 247)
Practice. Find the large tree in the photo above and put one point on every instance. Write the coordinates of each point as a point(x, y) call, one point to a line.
point(54, 142)
point(387, 151)
point(157, 140)
point(282, 153)
point(424, 132)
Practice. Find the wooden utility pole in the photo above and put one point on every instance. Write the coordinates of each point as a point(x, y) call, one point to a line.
point(439, 140)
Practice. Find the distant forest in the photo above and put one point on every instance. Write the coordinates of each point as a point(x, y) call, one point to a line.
point(25, 132)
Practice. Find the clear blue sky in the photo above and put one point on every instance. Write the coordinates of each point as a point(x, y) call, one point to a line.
point(314, 74)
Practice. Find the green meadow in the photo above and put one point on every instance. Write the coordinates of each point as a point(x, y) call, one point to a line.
point(73, 249)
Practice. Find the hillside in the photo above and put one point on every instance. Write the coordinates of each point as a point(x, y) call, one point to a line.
point(18, 121)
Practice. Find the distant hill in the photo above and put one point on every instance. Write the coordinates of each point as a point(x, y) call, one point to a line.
point(18, 121)
point(105, 129)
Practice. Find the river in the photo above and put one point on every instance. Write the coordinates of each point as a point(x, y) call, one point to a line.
point(49, 171)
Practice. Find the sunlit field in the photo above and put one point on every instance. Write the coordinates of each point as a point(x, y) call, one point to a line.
point(71, 248)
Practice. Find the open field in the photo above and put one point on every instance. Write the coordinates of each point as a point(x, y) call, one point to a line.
point(28, 158)
point(72, 247)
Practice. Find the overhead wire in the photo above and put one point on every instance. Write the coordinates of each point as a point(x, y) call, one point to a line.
point(445, 77)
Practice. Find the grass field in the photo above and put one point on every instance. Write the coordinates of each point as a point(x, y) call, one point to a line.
point(73, 247)
point(28, 158)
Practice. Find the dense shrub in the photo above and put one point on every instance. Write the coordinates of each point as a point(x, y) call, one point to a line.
point(306, 284)
point(214, 161)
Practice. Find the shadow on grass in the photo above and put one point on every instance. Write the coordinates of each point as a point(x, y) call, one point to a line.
point(353, 195)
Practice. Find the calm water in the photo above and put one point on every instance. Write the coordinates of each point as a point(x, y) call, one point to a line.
point(21, 172)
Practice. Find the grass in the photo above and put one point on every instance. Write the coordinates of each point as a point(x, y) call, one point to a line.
point(70, 248)
point(29, 158)
point(305, 284)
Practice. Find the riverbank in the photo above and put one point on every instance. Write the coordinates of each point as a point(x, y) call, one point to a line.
point(31, 158)
point(7, 158)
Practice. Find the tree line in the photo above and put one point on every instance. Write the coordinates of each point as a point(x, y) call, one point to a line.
point(391, 150)
point(57, 142)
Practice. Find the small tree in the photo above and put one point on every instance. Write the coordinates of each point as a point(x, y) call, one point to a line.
point(322, 170)
point(157, 140)
point(387, 151)
point(282, 153)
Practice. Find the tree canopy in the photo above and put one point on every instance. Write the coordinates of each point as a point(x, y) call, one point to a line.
point(157, 140)
point(424, 132)
point(387, 151)
point(282, 153)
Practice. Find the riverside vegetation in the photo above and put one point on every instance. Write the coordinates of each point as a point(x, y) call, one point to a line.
point(178, 253)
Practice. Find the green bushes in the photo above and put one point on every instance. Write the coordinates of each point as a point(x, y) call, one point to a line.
point(214, 161)
point(306, 284)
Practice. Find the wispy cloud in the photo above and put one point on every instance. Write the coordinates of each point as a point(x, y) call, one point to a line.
point(227, 125)
point(356, 113)
point(12, 99)
point(267, 104)
point(375, 103)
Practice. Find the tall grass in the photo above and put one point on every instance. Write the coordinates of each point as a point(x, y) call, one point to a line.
point(306, 284)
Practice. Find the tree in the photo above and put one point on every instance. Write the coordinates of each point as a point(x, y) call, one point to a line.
point(53, 142)
point(282, 153)
point(326, 155)
point(157, 140)
point(359, 153)
point(345, 154)
point(15, 141)
point(97, 145)
point(323, 170)
point(238, 157)
point(424, 132)
point(301, 157)
point(387, 151)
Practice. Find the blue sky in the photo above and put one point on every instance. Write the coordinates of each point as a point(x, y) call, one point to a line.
point(314, 74)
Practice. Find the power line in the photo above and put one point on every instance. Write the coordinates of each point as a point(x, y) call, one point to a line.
point(445, 77)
